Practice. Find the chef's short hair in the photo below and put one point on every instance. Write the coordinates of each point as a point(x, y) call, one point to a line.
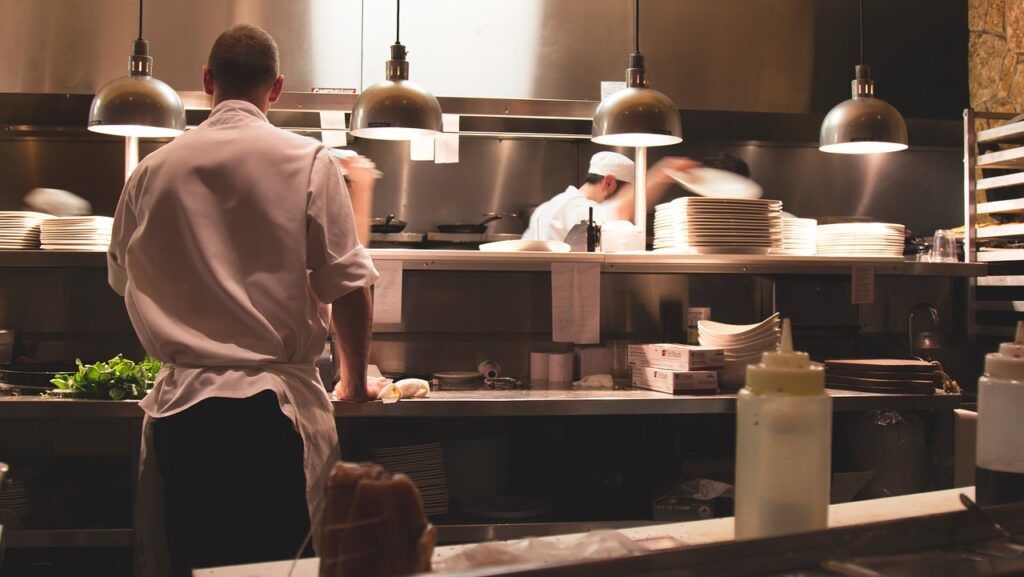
point(244, 61)
point(596, 178)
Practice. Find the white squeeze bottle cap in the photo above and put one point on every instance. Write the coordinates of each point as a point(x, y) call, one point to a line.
point(785, 370)
point(1008, 363)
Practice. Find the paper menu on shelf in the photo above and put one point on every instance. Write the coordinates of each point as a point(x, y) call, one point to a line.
point(576, 303)
point(387, 292)
point(862, 285)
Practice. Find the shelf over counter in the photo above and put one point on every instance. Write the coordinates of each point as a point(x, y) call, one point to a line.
point(547, 403)
point(652, 262)
point(517, 403)
point(646, 262)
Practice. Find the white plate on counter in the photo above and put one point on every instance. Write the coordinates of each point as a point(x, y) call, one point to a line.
point(525, 246)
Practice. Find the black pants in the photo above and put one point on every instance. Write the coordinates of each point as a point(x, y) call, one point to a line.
point(234, 482)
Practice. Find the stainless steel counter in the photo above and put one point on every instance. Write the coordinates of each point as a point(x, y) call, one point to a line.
point(520, 403)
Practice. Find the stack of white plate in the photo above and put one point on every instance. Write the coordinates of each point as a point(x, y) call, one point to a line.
point(877, 239)
point(78, 233)
point(424, 465)
point(19, 229)
point(21, 498)
point(718, 225)
point(799, 236)
point(741, 344)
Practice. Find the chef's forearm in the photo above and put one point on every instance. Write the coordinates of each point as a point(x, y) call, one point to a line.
point(361, 194)
point(352, 317)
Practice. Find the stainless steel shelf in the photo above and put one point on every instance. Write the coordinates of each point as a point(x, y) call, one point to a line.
point(520, 403)
point(47, 538)
point(495, 107)
point(474, 260)
point(538, 403)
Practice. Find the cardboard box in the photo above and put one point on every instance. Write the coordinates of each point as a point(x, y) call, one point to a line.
point(676, 357)
point(675, 382)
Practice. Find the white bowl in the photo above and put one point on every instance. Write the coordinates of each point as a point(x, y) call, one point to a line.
point(727, 330)
point(771, 334)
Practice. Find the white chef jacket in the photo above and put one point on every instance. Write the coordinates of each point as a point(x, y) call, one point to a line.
point(228, 244)
point(553, 219)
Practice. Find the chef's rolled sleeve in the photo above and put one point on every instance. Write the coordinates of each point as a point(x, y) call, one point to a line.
point(338, 264)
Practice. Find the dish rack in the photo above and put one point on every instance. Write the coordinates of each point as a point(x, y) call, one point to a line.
point(994, 229)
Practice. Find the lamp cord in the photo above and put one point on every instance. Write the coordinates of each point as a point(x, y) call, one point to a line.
point(862, 32)
point(636, 29)
point(140, 18)
point(398, 19)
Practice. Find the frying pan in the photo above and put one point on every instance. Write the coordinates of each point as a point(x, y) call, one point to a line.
point(479, 228)
point(387, 225)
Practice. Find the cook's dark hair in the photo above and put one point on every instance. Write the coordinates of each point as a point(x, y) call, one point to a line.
point(596, 178)
point(726, 161)
point(244, 62)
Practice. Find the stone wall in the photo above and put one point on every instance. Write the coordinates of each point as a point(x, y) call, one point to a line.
point(996, 58)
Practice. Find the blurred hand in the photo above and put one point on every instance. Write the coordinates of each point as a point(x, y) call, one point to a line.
point(361, 170)
point(657, 174)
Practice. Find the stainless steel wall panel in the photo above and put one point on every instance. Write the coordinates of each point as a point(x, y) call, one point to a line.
point(732, 55)
point(492, 175)
point(76, 46)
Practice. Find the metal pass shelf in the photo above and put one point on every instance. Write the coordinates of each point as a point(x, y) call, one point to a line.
point(640, 262)
point(517, 403)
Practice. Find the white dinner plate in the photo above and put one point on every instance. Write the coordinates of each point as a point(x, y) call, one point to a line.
point(525, 246)
point(715, 183)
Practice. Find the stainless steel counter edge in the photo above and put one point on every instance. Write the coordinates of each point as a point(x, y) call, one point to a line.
point(533, 403)
point(471, 260)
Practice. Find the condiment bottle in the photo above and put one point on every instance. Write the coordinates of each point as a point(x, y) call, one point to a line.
point(783, 445)
point(999, 475)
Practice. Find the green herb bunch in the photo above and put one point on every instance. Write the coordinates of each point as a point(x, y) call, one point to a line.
point(119, 378)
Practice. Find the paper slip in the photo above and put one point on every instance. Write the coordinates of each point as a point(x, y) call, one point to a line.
point(421, 148)
point(387, 292)
point(576, 303)
point(333, 124)
point(862, 285)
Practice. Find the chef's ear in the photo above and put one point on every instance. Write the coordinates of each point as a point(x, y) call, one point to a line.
point(275, 91)
point(610, 183)
point(207, 80)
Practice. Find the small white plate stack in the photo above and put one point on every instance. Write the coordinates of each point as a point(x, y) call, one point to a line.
point(742, 345)
point(77, 233)
point(19, 229)
point(871, 239)
point(799, 236)
point(718, 225)
point(424, 465)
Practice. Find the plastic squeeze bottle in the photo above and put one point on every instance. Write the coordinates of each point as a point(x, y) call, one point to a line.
point(999, 476)
point(783, 445)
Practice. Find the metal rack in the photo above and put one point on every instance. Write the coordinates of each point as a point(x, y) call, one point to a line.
point(998, 297)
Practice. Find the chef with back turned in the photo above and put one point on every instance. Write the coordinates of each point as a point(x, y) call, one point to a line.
point(607, 189)
point(235, 247)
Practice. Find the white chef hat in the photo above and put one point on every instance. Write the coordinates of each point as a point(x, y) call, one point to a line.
point(613, 163)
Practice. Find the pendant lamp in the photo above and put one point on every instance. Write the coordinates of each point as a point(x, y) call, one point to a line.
point(138, 104)
point(396, 108)
point(637, 115)
point(863, 124)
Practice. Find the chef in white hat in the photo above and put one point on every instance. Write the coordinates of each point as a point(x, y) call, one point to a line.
point(607, 188)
